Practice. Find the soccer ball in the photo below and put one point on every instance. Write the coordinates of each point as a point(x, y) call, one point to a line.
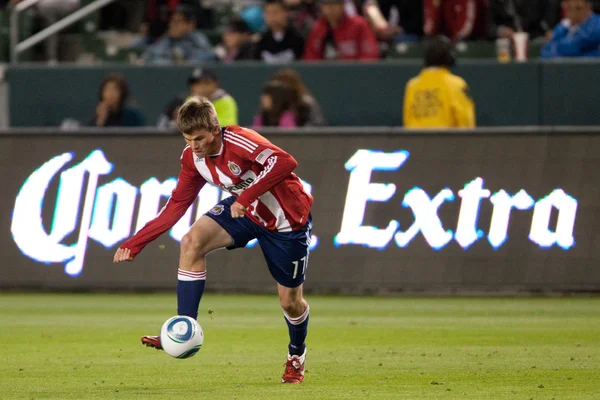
point(181, 336)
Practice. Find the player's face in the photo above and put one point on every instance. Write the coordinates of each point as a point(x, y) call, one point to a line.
point(333, 11)
point(275, 16)
point(204, 143)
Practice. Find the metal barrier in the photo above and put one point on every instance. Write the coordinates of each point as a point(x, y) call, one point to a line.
point(494, 210)
point(17, 48)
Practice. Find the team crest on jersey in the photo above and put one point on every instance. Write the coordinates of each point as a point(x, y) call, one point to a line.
point(234, 168)
point(217, 210)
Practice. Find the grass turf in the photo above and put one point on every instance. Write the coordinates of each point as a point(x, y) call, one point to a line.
point(86, 346)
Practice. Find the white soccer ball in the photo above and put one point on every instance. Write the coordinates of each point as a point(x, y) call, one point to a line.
point(181, 336)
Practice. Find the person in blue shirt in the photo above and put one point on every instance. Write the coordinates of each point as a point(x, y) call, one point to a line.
point(182, 43)
point(578, 35)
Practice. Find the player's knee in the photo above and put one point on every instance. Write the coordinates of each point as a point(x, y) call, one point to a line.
point(192, 243)
point(292, 305)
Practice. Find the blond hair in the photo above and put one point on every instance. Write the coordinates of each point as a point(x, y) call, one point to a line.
point(197, 114)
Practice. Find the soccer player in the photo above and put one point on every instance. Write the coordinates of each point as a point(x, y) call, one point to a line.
point(268, 203)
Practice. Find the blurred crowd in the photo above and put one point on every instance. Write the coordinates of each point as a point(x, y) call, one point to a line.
point(285, 102)
point(436, 98)
point(280, 31)
point(169, 32)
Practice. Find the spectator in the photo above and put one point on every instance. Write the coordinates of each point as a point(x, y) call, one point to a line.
point(307, 108)
point(303, 14)
point(112, 109)
point(578, 35)
point(536, 17)
point(457, 19)
point(338, 36)
point(182, 43)
point(168, 119)
point(281, 43)
point(395, 20)
point(157, 14)
point(437, 98)
point(237, 42)
point(204, 83)
point(276, 107)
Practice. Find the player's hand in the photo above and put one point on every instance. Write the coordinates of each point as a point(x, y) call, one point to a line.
point(122, 255)
point(238, 210)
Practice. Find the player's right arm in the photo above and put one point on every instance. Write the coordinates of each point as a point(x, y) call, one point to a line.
point(189, 184)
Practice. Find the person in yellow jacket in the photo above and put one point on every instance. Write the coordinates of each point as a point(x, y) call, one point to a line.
point(204, 83)
point(436, 98)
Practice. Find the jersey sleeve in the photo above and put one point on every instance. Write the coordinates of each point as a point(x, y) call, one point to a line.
point(275, 165)
point(188, 186)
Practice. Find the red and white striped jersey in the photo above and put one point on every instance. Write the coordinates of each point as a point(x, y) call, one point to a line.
point(249, 167)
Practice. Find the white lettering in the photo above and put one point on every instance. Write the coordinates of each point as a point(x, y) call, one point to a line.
point(106, 213)
point(466, 229)
point(116, 199)
point(567, 208)
point(27, 227)
point(152, 191)
point(361, 191)
point(503, 203)
point(427, 221)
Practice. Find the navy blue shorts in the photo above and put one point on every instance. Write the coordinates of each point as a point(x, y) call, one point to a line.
point(286, 253)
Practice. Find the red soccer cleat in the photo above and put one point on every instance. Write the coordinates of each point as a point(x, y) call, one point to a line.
point(152, 341)
point(294, 369)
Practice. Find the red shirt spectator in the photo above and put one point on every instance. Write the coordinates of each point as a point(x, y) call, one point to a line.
point(338, 36)
point(456, 19)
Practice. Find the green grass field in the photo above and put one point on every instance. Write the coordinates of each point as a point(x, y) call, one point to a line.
point(86, 346)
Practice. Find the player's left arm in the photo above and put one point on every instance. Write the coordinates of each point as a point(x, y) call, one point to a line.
point(276, 165)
